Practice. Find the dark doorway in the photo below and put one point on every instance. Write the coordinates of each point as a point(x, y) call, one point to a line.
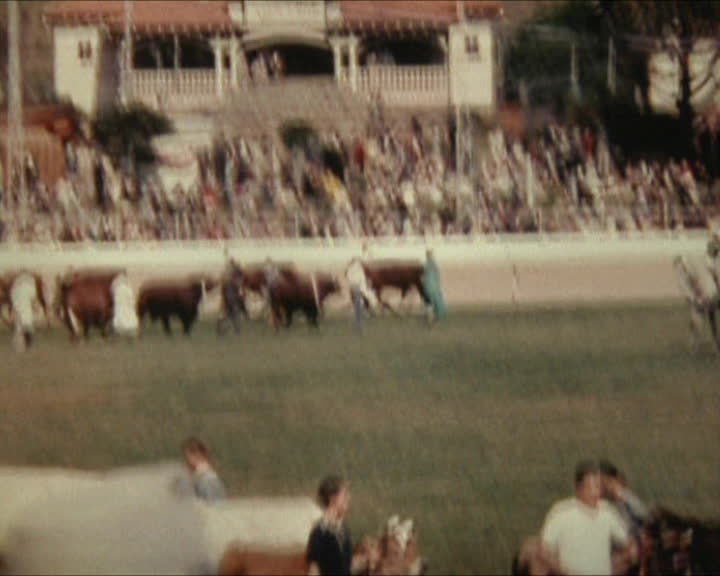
point(298, 60)
point(153, 53)
point(410, 52)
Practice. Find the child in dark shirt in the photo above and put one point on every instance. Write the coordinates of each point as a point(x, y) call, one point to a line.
point(329, 549)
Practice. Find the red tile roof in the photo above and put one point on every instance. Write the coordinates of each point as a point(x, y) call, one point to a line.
point(437, 12)
point(214, 14)
point(146, 14)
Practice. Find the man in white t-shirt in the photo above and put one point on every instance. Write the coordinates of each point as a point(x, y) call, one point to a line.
point(581, 530)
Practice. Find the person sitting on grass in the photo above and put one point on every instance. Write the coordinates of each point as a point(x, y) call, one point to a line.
point(206, 482)
point(329, 548)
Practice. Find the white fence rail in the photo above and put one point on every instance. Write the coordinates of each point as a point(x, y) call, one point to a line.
point(482, 271)
point(421, 86)
point(181, 88)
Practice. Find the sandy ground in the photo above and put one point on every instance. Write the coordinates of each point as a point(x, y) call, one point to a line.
point(486, 273)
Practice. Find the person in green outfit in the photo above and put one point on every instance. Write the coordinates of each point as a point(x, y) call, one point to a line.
point(433, 289)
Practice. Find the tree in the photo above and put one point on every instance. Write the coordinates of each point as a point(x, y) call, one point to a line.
point(538, 55)
point(127, 133)
point(641, 28)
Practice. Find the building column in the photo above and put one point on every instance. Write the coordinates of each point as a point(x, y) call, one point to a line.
point(337, 58)
point(234, 48)
point(353, 58)
point(218, 53)
point(176, 52)
point(124, 88)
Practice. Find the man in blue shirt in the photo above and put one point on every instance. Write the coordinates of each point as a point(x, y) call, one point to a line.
point(206, 482)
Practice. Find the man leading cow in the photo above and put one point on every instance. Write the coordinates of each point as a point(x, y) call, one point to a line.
point(232, 287)
point(25, 294)
point(433, 289)
point(125, 319)
point(701, 286)
point(360, 293)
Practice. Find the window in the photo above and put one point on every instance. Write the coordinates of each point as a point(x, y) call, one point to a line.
point(85, 52)
point(472, 47)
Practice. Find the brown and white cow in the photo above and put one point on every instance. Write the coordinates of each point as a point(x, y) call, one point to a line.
point(85, 300)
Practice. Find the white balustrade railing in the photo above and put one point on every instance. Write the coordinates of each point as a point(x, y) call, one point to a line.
point(175, 88)
point(401, 86)
point(406, 85)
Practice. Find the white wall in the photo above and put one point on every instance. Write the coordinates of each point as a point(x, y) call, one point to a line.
point(472, 76)
point(664, 72)
point(76, 79)
point(482, 271)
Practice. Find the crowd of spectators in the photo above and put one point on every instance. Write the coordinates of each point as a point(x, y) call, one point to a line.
point(388, 182)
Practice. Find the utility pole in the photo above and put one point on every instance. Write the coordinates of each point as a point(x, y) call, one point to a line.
point(574, 83)
point(459, 139)
point(611, 72)
point(127, 56)
point(15, 133)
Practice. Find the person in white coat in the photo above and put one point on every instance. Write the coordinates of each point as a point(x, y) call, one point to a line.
point(23, 299)
point(360, 292)
point(125, 319)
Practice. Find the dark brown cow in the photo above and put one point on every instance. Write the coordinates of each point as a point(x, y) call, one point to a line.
point(254, 276)
point(164, 300)
point(401, 275)
point(85, 300)
point(239, 282)
point(295, 293)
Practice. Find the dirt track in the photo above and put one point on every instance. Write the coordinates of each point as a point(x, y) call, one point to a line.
point(481, 273)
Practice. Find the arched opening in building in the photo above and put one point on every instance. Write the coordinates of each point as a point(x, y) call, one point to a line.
point(159, 53)
point(401, 52)
point(151, 53)
point(294, 59)
point(196, 53)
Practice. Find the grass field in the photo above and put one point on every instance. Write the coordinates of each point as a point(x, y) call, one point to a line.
point(472, 428)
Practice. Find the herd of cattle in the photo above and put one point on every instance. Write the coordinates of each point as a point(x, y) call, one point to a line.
point(86, 299)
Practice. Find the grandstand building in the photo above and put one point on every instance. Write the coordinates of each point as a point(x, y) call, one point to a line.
point(202, 56)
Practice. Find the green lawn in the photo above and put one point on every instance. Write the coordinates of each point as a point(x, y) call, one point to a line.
point(472, 428)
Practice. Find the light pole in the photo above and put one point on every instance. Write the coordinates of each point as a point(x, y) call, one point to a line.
point(459, 160)
point(127, 56)
point(15, 135)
